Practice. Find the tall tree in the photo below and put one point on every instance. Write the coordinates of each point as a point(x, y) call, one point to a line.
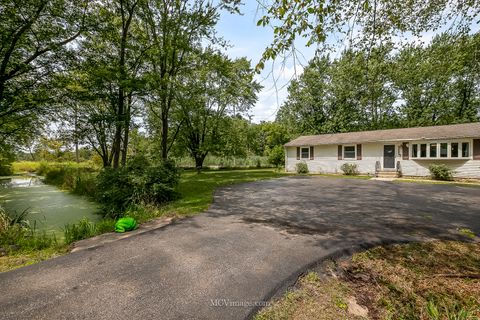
point(216, 89)
point(175, 29)
point(34, 35)
point(106, 81)
point(439, 83)
point(340, 95)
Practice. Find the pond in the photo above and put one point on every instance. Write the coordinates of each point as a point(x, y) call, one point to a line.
point(49, 207)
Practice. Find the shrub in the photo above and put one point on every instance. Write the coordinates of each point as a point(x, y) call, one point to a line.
point(302, 168)
point(137, 183)
point(350, 169)
point(440, 172)
point(276, 156)
point(114, 190)
point(6, 170)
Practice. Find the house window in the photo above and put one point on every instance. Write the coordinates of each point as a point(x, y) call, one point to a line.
point(465, 150)
point(349, 152)
point(433, 150)
point(454, 150)
point(414, 150)
point(443, 150)
point(423, 150)
point(305, 152)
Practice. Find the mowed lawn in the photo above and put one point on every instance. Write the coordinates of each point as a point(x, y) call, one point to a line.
point(197, 189)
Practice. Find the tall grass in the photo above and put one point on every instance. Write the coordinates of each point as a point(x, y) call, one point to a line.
point(85, 229)
point(17, 234)
point(25, 166)
point(78, 231)
point(78, 178)
point(226, 162)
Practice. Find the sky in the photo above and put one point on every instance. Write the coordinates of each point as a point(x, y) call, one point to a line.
point(249, 41)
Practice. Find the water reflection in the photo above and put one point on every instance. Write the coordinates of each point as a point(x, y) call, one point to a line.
point(20, 181)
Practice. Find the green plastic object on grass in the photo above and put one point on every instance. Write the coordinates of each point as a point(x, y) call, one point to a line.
point(125, 224)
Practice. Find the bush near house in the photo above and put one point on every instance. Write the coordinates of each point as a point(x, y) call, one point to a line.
point(441, 172)
point(302, 168)
point(276, 156)
point(350, 169)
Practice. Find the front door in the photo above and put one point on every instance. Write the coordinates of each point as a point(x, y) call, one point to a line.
point(389, 156)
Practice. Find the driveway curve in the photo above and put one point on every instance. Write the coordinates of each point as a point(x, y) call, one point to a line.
point(255, 240)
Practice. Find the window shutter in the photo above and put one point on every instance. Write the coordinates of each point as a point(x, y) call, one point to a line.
point(405, 155)
point(476, 149)
point(298, 153)
point(339, 152)
point(359, 152)
point(312, 156)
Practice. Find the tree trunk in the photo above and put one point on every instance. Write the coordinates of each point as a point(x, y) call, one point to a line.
point(106, 164)
point(77, 155)
point(126, 129)
point(118, 129)
point(164, 134)
point(199, 163)
point(117, 143)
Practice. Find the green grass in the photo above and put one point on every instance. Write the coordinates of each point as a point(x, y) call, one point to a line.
point(197, 191)
point(25, 166)
point(25, 258)
point(428, 181)
point(467, 232)
point(331, 175)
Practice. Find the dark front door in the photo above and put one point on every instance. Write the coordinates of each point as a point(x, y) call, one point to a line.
point(389, 156)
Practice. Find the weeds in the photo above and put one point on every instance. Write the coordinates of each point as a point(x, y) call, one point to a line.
point(17, 234)
point(436, 280)
point(467, 232)
point(441, 310)
point(78, 231)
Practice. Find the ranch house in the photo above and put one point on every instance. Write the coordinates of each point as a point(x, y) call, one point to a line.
point(393, 152)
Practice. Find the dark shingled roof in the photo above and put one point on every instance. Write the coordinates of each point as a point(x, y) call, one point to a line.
point(452, 131)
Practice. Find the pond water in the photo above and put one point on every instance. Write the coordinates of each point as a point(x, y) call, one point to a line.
point(50, 207)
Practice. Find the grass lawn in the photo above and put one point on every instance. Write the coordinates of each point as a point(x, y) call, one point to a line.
point(427, 281)
point(197, 191)
point(473, 184)
point(25, 258)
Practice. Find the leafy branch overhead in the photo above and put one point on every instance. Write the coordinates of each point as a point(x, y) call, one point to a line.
point(361, 22)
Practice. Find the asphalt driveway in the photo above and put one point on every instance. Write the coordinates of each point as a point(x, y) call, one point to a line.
point(253, 242)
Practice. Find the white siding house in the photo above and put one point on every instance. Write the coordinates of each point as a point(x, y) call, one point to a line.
point(407, 151)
